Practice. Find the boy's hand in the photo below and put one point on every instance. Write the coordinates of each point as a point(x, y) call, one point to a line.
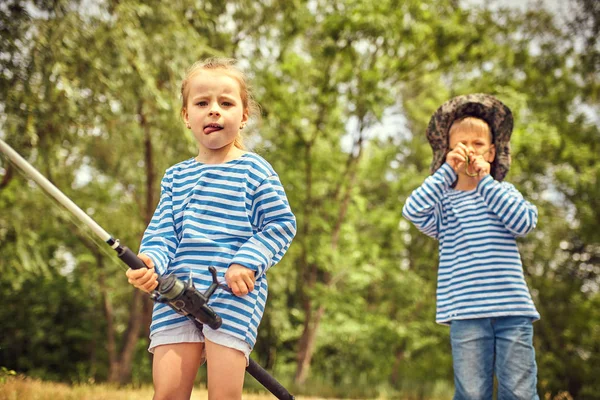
point(457, 157)
point(240, 279)
point(480, 166)
point(144, 278)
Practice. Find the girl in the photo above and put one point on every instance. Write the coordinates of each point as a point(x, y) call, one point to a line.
point(226, 208)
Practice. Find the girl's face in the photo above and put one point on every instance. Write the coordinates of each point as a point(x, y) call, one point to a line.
point(214, 110)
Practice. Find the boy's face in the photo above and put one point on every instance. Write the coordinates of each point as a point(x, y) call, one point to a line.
point(477, 142)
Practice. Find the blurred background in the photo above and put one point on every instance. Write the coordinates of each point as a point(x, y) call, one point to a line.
point(89, 94)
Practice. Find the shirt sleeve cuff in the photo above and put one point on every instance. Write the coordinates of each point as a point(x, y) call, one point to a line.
point(160, 261)
point(484, 184)
point(252, 259)
point(447, 174)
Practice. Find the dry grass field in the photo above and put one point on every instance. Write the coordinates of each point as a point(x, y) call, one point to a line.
point(19, 388)
point(23, 388)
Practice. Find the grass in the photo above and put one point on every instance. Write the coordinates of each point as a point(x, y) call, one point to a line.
point(23, 388)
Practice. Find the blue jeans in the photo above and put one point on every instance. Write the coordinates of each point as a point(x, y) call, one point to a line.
point(502, 346)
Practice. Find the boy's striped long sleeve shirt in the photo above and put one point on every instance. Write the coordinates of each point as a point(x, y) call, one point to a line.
point(217, 215)
point(480, 271)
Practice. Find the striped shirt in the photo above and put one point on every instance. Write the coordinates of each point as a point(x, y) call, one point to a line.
point(480, 272)
point(220, 214)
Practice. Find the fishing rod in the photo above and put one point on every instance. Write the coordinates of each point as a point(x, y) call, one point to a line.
point(181, 296)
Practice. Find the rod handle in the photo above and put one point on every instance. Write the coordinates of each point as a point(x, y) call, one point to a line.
point(130, 258)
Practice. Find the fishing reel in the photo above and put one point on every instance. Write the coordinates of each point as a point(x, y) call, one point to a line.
point(186, 300)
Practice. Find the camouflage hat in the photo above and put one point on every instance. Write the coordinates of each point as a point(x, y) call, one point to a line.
point(479, 105)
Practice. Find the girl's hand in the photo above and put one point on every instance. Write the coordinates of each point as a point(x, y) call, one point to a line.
point(480, 166)
point(457, 157)
point(240, 279)
point(144, 278)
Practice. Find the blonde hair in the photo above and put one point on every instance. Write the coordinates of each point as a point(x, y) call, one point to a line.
point(471, 124)
point(228, 66)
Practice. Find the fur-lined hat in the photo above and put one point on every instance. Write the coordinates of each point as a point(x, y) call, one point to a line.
point(479, 105)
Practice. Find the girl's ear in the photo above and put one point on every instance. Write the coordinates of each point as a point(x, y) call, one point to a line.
point(246, 115)
point(184, 115)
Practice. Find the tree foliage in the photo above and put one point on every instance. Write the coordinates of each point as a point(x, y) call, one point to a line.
point(89, 95)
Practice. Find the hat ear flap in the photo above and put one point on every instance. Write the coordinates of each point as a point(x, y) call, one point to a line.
point(437, 135)
point(501, 163)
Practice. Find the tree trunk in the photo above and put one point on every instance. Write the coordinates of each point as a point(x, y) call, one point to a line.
point(151, 200)
point(111, 348)
point(120, 364)
point(114, 364)
point(306, 278)
point(7, 176)
point(395, 376)
point(132, 335)
point(307, 343)
point(141, 307)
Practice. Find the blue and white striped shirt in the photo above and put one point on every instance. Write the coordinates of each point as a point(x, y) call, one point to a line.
point(480, 271)
point(220, 214)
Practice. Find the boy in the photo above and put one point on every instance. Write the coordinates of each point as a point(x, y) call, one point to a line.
point(481, 290)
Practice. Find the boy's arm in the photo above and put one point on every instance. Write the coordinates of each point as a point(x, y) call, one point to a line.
point(275, 226)
point(420, 207)
point(503, 199)
point(160, 240)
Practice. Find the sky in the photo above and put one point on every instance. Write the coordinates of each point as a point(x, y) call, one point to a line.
point(558, 7)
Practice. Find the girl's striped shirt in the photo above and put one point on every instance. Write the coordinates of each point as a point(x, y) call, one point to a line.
point(220, 214)
point(480, 271)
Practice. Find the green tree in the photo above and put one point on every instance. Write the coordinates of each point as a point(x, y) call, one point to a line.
point(90, 96)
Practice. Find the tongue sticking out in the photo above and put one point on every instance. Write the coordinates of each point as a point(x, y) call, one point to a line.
point(212, 128)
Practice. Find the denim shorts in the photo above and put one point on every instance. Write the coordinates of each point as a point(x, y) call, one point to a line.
point(501, 346)
point(189, 333)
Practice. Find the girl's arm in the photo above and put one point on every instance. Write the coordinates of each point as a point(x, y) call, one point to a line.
point(503, 199)
point(160, 239)
point(275, 227)
point(421, 206)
